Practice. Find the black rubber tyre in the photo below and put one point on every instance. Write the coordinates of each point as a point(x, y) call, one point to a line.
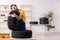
point(22, 34)
point(34, 22)
point(11, 23)
point(44, 20)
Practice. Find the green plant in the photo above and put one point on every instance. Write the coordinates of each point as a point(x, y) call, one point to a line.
point(49, 16)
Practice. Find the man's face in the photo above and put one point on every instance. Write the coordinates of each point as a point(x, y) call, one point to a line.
point(14, 7)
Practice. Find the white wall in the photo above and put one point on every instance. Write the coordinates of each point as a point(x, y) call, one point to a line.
point(39, 8)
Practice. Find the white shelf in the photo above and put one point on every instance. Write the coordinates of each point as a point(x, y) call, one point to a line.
point(4, 10)
point(26, 5)
point(4, 7)
point(29, 11)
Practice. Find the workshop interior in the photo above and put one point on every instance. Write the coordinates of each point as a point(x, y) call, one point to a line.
point(41, 19)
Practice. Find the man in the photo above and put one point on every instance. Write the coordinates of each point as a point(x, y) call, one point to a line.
point(21, 18)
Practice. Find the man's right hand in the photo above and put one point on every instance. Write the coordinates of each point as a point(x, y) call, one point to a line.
point(13, 15)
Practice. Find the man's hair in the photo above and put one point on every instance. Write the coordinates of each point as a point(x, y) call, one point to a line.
point(13, 5)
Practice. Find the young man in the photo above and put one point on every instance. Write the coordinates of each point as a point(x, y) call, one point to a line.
point(21, 18)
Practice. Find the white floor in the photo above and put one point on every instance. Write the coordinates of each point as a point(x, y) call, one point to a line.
point(48, 36)
point(40, 36)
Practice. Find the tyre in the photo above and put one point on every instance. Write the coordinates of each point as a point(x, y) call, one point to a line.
point(11, 23)
point(22, 34)
point(44, 20)
point(33, 22)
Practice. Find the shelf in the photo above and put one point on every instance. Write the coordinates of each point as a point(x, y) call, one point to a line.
point(2, 21)
point(28, 16)
point(26, 5)
point(27, 22)
point(3, 27)
point(4, 5)
point(4, 10)
point(27, 11)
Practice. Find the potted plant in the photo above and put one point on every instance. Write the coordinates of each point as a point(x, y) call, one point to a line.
point(50, 17)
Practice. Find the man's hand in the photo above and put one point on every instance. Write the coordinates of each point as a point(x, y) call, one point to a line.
point(13, 15)
point(17, 17)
